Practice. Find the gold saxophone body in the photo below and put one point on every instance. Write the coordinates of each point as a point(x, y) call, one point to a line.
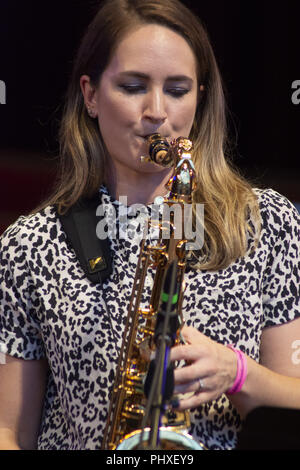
point(128, 420)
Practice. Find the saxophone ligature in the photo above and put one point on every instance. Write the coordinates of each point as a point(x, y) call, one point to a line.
point(129, 423)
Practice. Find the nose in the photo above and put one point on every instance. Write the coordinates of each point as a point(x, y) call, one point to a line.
point(154, 107)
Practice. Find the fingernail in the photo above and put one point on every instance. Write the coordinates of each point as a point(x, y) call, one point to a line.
point(175, 403)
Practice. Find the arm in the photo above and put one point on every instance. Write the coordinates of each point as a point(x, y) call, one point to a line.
point(22, 389)
point(274, 382)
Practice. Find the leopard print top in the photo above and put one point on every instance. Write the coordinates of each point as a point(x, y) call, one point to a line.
point(49, 308)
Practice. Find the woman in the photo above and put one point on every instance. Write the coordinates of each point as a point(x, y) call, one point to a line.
point(145, 67)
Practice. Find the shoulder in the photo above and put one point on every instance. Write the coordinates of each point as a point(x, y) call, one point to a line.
point(279, 234)
point(271, 200)
point(32, 229)
point(276, 210)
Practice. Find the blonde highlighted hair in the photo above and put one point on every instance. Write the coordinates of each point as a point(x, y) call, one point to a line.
point(228, 198)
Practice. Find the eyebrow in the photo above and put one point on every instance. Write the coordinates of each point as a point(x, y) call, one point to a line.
point(174, 78)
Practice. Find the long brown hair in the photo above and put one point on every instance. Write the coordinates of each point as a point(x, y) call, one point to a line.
point(228, 198)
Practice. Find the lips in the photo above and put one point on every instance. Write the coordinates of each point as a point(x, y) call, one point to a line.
point(146, 136)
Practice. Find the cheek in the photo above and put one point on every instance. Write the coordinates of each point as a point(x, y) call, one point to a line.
point(183, 117)
point(116, 120)
point(115, 110)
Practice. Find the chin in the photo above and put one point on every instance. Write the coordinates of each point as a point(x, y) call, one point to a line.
point(150, 167)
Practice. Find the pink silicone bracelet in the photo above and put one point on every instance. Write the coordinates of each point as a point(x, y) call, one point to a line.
point(241, 372)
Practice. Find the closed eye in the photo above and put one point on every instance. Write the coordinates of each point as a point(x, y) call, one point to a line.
point(177, 92)
point(132, 89)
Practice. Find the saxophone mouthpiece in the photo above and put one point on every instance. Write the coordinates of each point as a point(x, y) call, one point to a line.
point(159, 151)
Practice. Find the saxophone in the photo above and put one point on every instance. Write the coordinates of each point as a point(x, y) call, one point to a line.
point(129, 416)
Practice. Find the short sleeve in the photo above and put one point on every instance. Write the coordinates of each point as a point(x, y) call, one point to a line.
point(19, 306)
point(281, 281)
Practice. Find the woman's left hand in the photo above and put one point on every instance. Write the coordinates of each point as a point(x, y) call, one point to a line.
point(210, 370)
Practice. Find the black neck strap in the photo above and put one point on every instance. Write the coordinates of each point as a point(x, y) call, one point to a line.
point(94, 254)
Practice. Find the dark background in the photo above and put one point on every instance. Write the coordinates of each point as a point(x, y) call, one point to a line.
point(257, 48)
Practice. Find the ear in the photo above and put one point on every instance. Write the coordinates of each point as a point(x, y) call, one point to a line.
point(89, 92)
point(200, 92)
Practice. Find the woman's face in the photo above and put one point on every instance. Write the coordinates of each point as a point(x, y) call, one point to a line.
point(149, 86)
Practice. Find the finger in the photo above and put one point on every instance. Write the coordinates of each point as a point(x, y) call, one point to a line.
point(193, 386)
point(188, 373)
point(192, 335)
point(193, 401)
point(185, 352)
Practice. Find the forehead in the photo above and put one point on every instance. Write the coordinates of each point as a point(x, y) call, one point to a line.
point(153, 47)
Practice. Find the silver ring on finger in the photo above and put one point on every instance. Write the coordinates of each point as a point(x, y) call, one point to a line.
point(201, 385)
